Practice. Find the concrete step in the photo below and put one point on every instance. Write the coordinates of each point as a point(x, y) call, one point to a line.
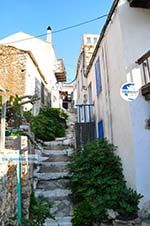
point(52, 184)
point(60, 221)
point(51, 176)
point(56, 167)
point(52, 194)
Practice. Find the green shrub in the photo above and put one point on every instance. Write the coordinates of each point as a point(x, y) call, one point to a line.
point(28, 116)
point(50, 123)
point(39, 210)
point(98, 184)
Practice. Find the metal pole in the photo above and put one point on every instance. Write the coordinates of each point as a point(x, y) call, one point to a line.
point(84, 107)
point(79, 115)
point(3, 122)
point(90, 113)
point(19, 188)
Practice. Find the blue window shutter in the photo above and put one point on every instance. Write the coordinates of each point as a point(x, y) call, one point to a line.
point(98, 77)
point(100, 130)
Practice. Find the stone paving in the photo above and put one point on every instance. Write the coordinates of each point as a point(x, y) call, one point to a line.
point(51, 175)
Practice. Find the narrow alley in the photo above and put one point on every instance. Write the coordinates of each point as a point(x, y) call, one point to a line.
point(75, 113)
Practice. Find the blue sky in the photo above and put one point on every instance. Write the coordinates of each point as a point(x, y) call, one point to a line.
point(33, 17)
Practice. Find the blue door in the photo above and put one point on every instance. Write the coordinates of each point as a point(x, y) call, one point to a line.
point(100, 130)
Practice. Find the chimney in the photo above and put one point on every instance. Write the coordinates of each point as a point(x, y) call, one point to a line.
point(49, 35)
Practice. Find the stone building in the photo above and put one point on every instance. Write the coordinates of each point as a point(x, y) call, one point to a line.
point(44, 72)
point(20, 75)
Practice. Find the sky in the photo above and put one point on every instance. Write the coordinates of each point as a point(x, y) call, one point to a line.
point(34, 16)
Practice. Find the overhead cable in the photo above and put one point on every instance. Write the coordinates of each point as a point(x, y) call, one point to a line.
point(60, 30)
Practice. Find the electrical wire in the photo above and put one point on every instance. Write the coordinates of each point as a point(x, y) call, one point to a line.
point(60, 30)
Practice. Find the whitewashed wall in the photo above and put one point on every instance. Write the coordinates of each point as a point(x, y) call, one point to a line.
point(135, 26)
point(126, 39)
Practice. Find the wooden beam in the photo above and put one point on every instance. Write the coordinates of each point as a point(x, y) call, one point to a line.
point(144, 57)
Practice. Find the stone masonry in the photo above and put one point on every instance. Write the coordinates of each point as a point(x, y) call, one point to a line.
point(12, 69)
point(8, 182)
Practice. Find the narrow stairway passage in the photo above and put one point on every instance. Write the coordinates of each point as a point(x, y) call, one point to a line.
point(51, 176)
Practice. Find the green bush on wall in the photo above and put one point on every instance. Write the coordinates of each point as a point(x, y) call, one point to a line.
point(98, 184)
point(50, 123)
point(39, 210)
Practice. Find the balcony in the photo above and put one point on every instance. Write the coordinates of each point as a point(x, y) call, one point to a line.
point(146, 91)
point(60, 72)
point(144, 61)
point(140, 3)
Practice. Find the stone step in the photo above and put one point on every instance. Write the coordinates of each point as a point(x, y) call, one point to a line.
point(53, 194)
point(66, 151)
point(51, 176)
point(55, 145)
point(62, 208)
point(55, 158)
point(56, 167)
point(60, 221)
point(59, 143)
point(52, 184)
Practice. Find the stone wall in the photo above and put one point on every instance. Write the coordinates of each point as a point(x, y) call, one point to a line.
point(12, 69)
point(8, 200)
point(8, 181)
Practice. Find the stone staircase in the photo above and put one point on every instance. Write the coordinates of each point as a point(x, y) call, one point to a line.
point(51, 176)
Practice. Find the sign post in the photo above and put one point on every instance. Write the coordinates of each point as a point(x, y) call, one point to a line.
point(19, 212)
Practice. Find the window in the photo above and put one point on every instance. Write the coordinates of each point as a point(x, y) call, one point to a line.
point(88, 40)
point(144, 61)
point(90, 93)
point(78, 88)
point(42, 93)
point(146, 70)
point(98, 77)
point(95, 40)
point(81, 76)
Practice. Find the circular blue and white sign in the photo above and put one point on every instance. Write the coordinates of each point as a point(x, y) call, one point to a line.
point(129, 91)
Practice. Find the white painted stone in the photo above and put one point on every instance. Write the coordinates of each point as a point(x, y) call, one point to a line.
point(51, 143)
point(42, 159)
point(57, 152)
point(111, 214)
point(68, 142)
point(53, 194)
point(54, 163)
point(60, 138)
point(62, 221)
point(50, 176)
